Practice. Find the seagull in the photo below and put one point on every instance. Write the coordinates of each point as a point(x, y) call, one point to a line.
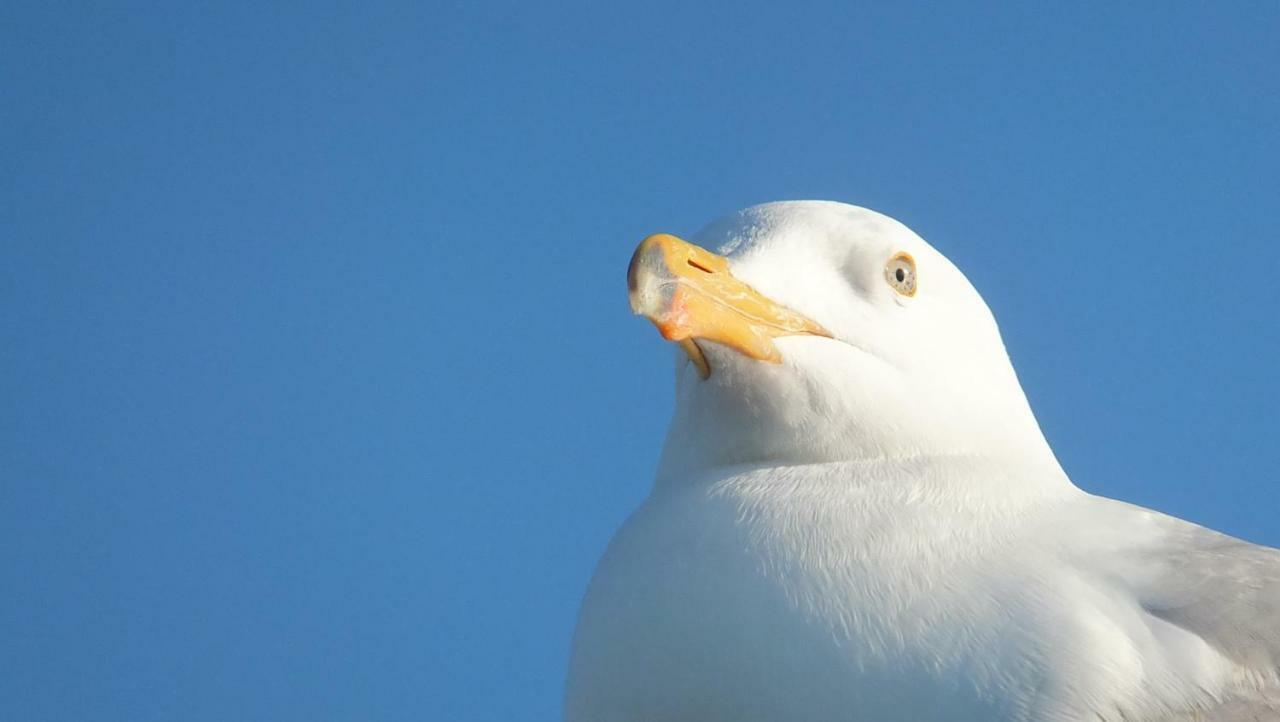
point(857, 517)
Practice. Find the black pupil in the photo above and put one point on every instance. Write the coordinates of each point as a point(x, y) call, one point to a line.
point(900, 274)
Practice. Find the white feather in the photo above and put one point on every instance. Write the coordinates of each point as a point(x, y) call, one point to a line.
point(876, 529)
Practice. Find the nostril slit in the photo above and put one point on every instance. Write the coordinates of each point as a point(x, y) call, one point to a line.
point(699, 266)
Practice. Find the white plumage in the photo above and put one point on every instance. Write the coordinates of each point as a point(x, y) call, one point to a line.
point(876, 529)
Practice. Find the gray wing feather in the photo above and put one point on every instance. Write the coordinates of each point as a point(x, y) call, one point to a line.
point(1227, 592)
point(1259, 706)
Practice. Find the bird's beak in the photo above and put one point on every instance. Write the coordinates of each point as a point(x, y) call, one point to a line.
point(690, 295)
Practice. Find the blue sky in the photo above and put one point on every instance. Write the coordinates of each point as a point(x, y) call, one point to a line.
point(320, 392)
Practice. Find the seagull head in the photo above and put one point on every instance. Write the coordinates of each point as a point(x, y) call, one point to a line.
point(814, 332)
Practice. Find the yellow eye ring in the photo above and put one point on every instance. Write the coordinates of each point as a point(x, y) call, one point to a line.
point(900, 272)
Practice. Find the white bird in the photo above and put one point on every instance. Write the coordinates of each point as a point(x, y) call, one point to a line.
point(857, 517)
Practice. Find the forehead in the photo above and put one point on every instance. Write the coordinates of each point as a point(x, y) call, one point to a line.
point(800, 248)
point(817, 230)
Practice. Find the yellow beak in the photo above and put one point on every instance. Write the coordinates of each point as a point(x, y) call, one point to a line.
point(689, 294)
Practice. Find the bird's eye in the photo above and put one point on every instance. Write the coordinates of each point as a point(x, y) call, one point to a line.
point(900, 272)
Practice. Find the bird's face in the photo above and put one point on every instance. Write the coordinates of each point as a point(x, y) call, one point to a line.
point(823, 332)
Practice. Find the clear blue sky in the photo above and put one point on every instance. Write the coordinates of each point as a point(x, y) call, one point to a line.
point(319, 395)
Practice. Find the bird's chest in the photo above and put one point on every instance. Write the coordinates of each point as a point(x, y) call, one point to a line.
point(736, 609)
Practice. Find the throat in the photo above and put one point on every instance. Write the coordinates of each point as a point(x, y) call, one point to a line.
point(762, 416)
